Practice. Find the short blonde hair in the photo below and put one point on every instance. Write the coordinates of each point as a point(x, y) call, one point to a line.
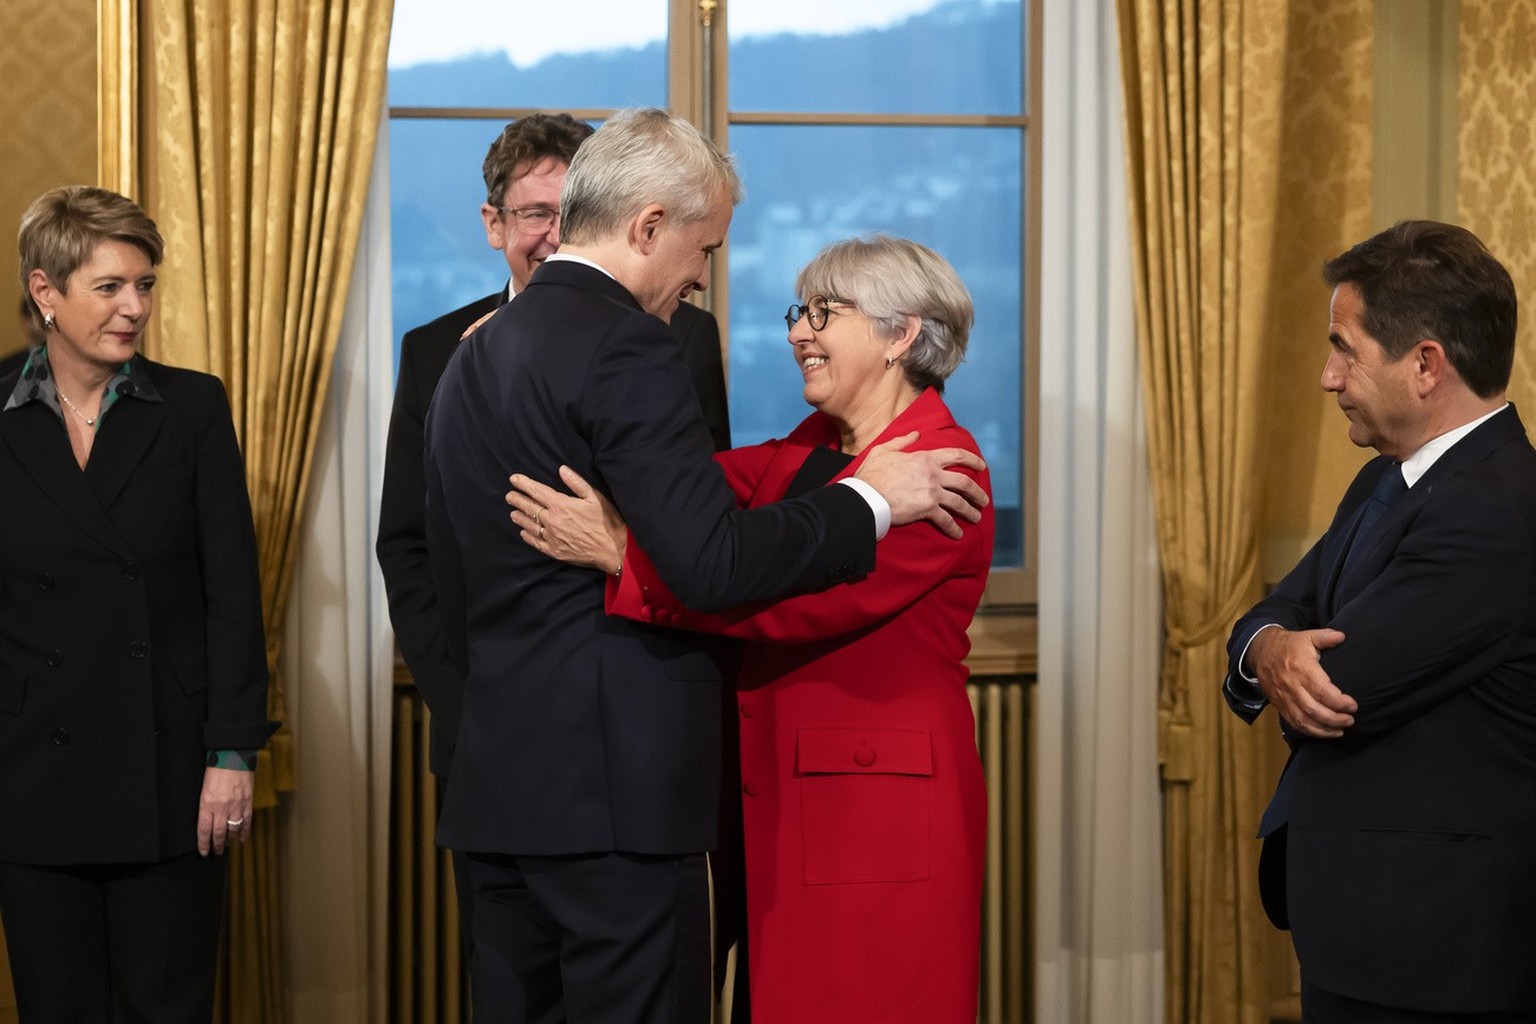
point(890, 279)
point(63, 227)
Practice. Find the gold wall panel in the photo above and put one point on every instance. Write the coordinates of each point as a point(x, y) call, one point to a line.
point(1324, 181)
point(48, 64)
point(1497, 159)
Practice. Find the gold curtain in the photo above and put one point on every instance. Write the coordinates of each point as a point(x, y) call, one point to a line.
point(250, 140)
point(1496, 182)
point(1202, 113)
point(1206, 87)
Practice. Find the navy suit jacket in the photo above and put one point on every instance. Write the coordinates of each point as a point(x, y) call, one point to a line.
point(402, 540)
point(583, 733)
point(130, 624)
point(1409, 860)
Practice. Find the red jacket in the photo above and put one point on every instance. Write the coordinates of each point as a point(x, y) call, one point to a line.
point(863, 801)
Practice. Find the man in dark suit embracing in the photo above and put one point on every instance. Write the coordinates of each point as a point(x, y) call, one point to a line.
point(1400, 654)
point(585, 782)
point(524, 170)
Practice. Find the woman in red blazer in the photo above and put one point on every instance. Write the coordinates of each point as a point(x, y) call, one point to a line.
point(862, 794)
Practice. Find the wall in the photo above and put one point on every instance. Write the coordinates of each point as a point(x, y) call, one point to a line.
point(48, 62)
point(1371, 138)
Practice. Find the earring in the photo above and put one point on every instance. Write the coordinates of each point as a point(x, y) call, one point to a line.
point(47, 321)
point(890, 361)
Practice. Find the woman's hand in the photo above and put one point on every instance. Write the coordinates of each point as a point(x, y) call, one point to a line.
point(224, 812)
point(580, 528)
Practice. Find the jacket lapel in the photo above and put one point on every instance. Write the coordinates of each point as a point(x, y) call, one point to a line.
point(125, 438)
point(1469, 451)
point(41, 448)
point(1336, 545)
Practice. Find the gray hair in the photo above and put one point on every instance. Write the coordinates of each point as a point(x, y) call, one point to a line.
point(636, 158)
point(890, 279)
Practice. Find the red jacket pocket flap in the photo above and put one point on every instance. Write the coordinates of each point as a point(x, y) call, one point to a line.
point(872, 751)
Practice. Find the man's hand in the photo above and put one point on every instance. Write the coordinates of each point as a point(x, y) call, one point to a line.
point(1288, 669)
point(917, 485)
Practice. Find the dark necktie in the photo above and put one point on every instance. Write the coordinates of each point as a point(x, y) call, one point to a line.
point(1389, 488)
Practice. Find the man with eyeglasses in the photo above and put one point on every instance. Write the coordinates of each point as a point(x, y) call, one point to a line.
point(524, 171)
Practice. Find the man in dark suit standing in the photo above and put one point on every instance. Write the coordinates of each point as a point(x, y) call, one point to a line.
point(524, 171)
point(1400, 654)
point(585, 781)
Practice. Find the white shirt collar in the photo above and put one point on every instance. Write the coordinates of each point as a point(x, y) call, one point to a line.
point(1417, 464)
point(569, 257)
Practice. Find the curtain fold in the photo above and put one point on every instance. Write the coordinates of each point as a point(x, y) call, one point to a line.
point(338, 657)
point(254, 136)
point(1248, 128)
point(1098, 916)
point(1203, 104)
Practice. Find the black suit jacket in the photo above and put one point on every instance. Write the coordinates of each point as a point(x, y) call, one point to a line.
point(402, 540)
point(1410, 853)
point(583, 733)
point(130, 624)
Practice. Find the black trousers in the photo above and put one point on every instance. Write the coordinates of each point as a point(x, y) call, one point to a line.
point(590, 939)
point(1321, 1007)
point(119, 943)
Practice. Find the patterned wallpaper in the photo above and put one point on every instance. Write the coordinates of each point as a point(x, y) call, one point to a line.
point(1496, 187)
point(1324, 206)
point(48, 64)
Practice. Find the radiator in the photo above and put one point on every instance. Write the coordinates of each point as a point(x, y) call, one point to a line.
point(427, 973)
point(1001, 709)
point(427, 976)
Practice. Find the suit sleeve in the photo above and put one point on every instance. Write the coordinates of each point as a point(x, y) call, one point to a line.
point(654, 459)
point(913, 560)
point(700, 338)
point(402, 548)
point(226, 540)
point(1441, 616)
point(1292, 605)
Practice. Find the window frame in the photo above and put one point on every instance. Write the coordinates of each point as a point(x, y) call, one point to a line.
point(1004, 633)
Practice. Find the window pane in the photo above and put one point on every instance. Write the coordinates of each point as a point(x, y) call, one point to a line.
point(878, 56)
point(956, 190)
point(440, 255)
point(488, 53)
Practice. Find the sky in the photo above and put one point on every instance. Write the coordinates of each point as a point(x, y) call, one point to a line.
point(528, 31)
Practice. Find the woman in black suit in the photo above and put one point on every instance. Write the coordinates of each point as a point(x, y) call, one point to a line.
point(132, 661)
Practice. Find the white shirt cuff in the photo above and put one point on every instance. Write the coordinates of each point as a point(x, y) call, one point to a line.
point(877, 504)
point(1242, 662)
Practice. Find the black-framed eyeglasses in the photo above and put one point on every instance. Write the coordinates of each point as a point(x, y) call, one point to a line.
point(531, 220)
point(816, 309)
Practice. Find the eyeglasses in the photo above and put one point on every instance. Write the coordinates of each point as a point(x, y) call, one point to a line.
point(531, 220)
point(816, 309)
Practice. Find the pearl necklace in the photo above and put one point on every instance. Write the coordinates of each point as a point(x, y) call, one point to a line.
point(89, 421)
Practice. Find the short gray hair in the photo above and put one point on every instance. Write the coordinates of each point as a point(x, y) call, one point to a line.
point(890, 279)
point(636, 158)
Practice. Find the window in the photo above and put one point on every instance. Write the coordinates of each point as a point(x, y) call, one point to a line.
point(903, 116)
